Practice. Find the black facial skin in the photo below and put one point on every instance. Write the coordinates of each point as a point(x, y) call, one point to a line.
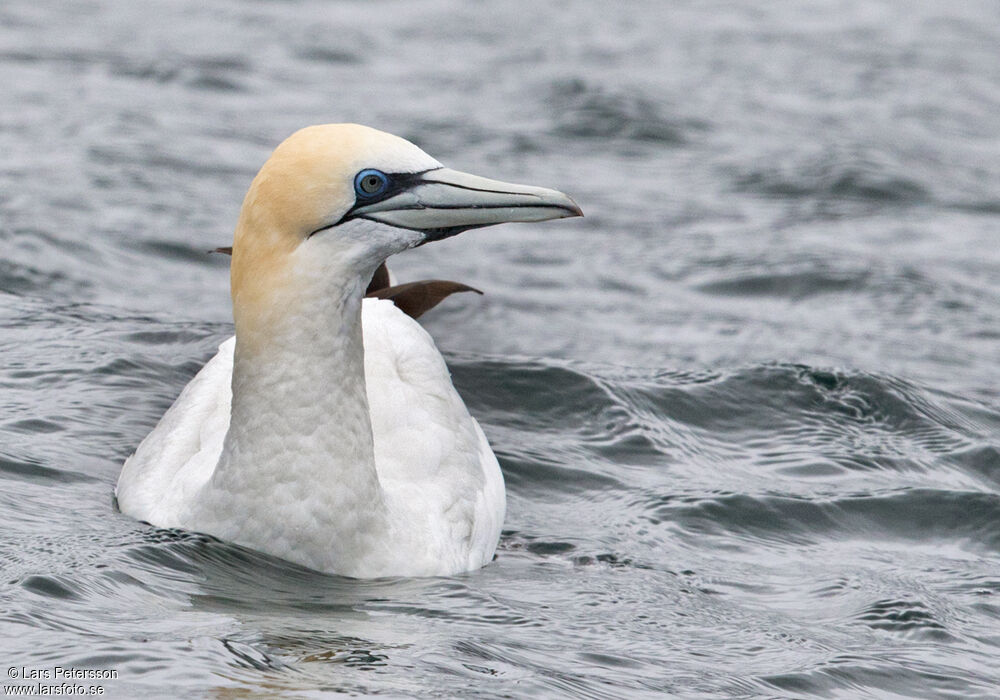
point(399, 182)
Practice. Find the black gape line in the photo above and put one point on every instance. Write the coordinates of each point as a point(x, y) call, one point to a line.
point(398, 182)
point(439, 234)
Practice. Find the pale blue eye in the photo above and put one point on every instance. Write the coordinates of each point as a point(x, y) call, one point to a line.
point(370, 183)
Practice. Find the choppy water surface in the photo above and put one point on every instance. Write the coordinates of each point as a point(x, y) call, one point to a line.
point(746, 409)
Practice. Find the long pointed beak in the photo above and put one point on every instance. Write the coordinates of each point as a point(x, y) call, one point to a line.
point(443, 202)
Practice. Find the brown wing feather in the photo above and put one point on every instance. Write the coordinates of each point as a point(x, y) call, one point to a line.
point(380, 280)
point(416, 298)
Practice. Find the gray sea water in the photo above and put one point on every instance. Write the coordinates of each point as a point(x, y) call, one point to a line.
point(746, 409)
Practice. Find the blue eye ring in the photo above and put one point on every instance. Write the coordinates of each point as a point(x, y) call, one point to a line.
point(370, 183)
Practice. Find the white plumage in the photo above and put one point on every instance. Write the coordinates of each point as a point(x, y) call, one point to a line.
point(327, 431)
point(439, 475)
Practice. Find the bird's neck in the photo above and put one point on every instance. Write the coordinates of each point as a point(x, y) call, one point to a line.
point(299, 454)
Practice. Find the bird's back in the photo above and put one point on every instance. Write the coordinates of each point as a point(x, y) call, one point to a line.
point(173, 462)
point(432, 457)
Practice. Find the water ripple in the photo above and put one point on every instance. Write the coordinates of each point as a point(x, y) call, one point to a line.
point(746, 409)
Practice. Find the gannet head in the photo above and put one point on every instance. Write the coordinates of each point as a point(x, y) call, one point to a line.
point(351, 196)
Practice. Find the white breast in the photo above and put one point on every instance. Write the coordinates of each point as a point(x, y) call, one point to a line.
point(441, 481)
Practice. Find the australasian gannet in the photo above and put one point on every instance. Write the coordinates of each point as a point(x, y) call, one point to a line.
point(327, 432)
